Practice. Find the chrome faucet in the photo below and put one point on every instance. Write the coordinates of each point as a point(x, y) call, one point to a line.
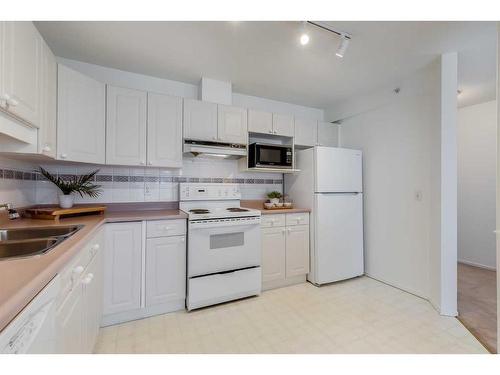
point(13, 214)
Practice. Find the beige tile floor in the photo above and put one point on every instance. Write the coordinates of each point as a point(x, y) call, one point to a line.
point(356, 316)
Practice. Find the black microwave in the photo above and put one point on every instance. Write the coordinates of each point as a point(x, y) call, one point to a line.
point(264, 155)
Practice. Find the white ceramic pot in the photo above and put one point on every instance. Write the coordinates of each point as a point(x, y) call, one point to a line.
point(66, 201)
point(275, 201)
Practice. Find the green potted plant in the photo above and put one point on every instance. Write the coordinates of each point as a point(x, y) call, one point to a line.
point(274, 197)
point(76, 184)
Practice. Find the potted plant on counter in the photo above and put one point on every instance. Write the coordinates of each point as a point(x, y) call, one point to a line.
point(75, 184)
point(274, 197)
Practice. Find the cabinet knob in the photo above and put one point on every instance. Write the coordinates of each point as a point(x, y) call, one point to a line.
point(283, 230)
point(88, 279)
point(275, 132)
point(142, 163)
point(150, 163)
point(289, 229)
point(96, 247)
point(271, 131)
point(64, 156)
point(78, 270)
point(166, 228)
point(5, 97)
point(12, 102)
point(183, 239)
point(46, 148)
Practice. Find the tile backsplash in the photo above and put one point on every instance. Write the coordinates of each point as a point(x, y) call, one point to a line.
point(17, 183)
point(123, 184)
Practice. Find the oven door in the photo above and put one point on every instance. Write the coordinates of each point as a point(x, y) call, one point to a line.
point(223, 245)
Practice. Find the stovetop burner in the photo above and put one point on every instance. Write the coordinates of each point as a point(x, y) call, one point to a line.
point(237, 209)
point(200, 211)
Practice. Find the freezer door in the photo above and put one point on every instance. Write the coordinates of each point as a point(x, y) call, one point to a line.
point(338, 251)
point(338, 170)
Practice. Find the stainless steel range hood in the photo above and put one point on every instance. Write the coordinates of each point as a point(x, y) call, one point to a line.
point(215, 149)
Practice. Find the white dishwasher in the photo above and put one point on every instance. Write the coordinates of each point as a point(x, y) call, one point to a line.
point(33, 330)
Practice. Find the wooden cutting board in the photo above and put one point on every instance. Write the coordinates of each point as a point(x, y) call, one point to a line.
point(54, 213)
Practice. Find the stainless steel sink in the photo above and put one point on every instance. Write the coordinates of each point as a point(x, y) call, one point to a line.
point(37, 232)
point(15, 249)
point(25, 242)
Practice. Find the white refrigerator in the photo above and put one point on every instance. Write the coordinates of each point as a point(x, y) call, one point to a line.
point(330, 183)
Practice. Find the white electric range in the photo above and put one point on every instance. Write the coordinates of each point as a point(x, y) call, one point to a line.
point(224, 244)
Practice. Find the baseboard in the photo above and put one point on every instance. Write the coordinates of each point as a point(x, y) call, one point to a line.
point(268, 285)
point(127, 316)
point(477, 265)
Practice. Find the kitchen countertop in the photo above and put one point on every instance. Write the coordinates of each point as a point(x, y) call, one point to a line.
point(22, 279)
point(259, 205)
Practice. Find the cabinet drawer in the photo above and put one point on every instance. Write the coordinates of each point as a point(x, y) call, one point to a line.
point(297, 219)
point(163, 228)
point(272, 220)
point(209, 290)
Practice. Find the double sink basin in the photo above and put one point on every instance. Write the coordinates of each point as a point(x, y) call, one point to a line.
point(26, 242)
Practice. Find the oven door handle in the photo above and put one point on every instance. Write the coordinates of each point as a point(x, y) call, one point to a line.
point(222, 225)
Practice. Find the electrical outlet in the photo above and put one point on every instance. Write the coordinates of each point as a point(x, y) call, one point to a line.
point(418, 195)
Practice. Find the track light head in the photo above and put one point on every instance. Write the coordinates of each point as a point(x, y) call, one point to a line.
point(344, 43)
point(304, 39)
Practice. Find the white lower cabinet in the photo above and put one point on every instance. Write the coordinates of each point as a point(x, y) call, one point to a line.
point(122, 266)
point(273, 254)
point(145, 269)
point(165, 270)
point(79, 305)
point(285, 249)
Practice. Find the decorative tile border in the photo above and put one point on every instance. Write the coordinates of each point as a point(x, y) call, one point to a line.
point(13, 174)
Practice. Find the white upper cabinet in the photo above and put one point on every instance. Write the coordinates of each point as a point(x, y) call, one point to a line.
point(47, 135)
point(260, 121)
point(328, 134)
point(200, 120)
point(81, 117)
point(306, 132)
point(232, 124)
point(21, 69)
point(283, 125)
point(126, 118)
point(164, 145)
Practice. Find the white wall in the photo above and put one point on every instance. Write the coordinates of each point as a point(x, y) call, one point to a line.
point(400, 135)
point(396, 138)
point(477, 134)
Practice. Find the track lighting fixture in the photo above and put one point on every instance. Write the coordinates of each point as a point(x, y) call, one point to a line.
point(345, 38)
point(344, 43)
point(304, 38)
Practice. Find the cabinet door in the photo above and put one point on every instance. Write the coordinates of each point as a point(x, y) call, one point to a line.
point(306, 132)
point(273, 254)
point(125, 126)
point(297, 250)
point(260, 121)
point(232, 124)
point(164, 131)
point(165, 270)
point(47, 134)
point(81, 131)
point(69, 323)
point(283, 125)
point(328, 134)
point(200, 120)
point(92, 295)
point(21, 70)
point(122, 267)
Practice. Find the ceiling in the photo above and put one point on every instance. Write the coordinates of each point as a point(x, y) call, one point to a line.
point(265, 58)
